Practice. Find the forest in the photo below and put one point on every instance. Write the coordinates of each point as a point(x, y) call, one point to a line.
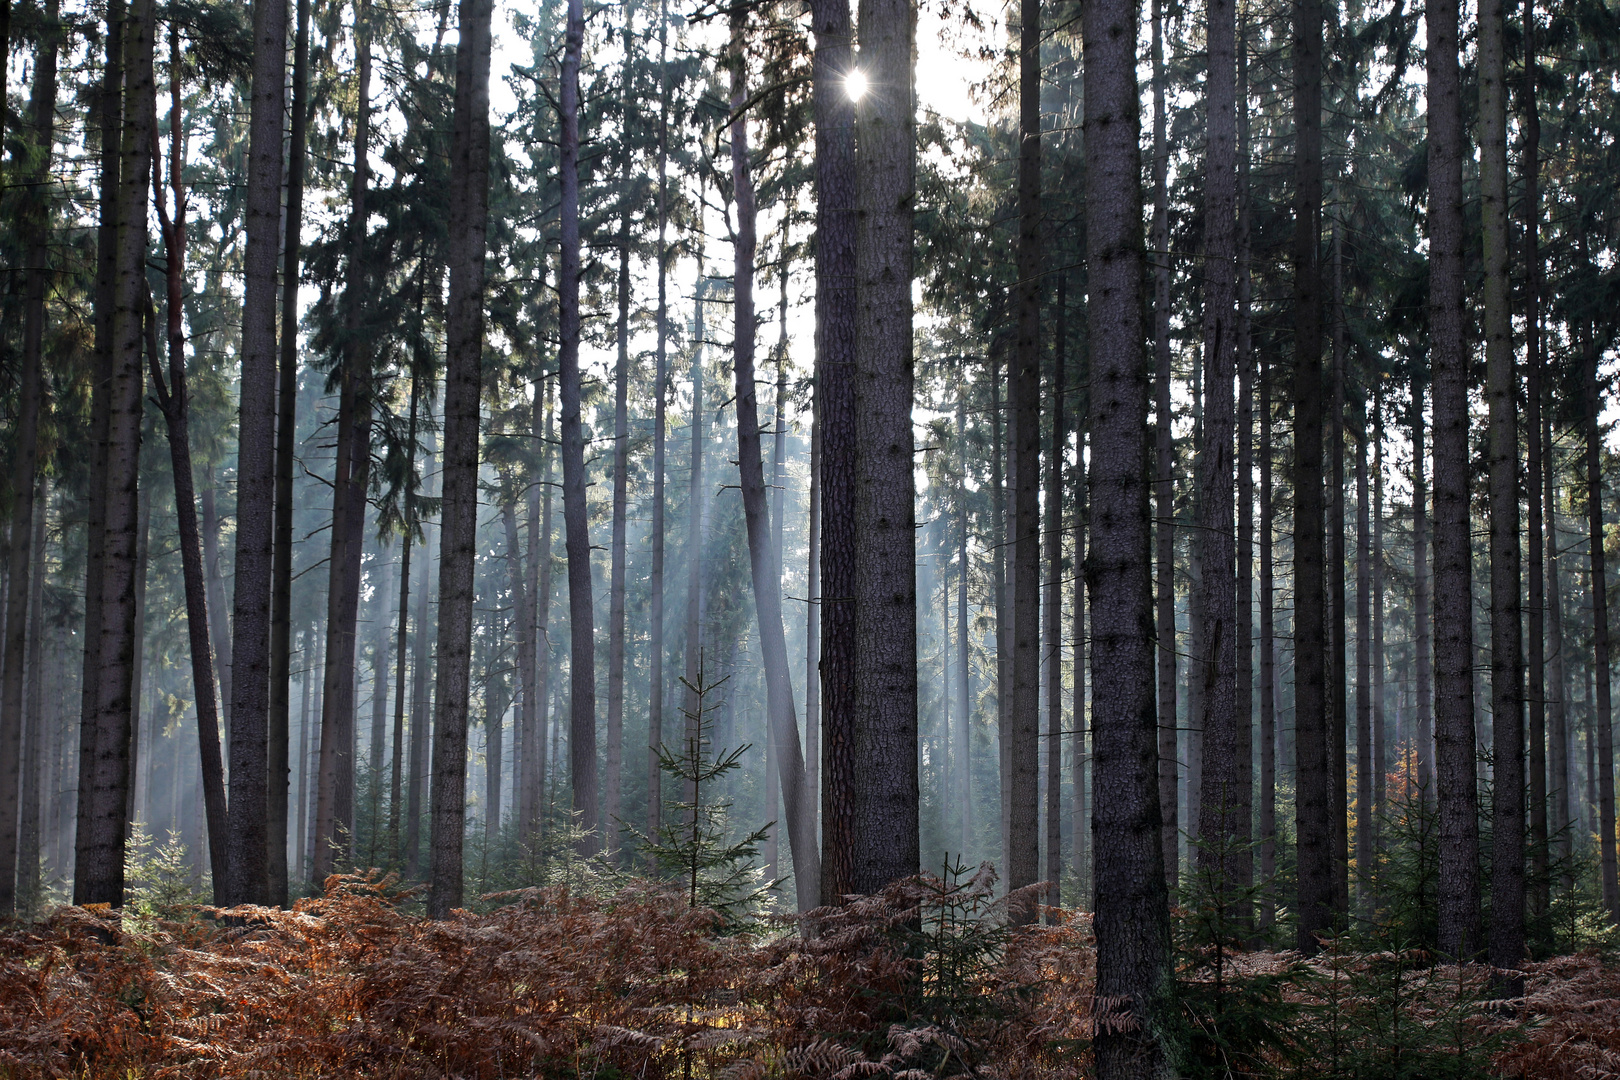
point(797, 541)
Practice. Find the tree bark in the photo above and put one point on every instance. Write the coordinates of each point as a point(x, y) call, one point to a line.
point(1366, 765)
point(540, 560)
point(1507, 628)
point(249, 660)
point(1453, 617)
point(1602, 717)
point(1132, 917)
point(835, 408)
point(1053, 644)
point(1337, 606)
point(421, 705)
point(30, 883)
point(576, 526)
point(24, 468)
point(655, 605)
point(767, 577)
point(173, 400)
point(886, 822)
point(1164, 484)
point(1224, 826)
point(1312, 803)
point(464, 333)
point(277, 728)
point(1268, 663)
point(104, 778)
point(1422, 634)
point(1537, 464)
point(964, 770)
point(1023, 727)
point(334, 814)
point(1243, 625)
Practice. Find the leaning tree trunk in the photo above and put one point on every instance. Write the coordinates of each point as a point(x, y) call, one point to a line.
point(576, 524)
point(249, 854)
point(464, 333)
point(174, 402)
point(1501, 393)
point(784, 727)
point(23, 468)
point(835, 413)
point(1313, 828)
point(1022, 732)
point(1453, 617)
point(334, 814)
point(1132, 917)
point(104, 779)
point(286, 435)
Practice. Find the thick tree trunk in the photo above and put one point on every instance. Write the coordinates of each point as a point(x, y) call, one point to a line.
point(576, 525)
point(30, 883)
point(1501, 393)
point(1313, 784)
point(464, 334)
point(249, 660)
point(104, 756)
point(1022, 733)
point(1224, 825)
point(1132, 905)
point(767, 577)
point(835, 413)
point(23, 468)
point(286, 435)
point(1243, 625)
point(886, 837)
point(1164, 482)
point(1453, 615)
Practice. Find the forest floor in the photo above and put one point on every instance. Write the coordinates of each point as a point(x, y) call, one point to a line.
point(925, 980)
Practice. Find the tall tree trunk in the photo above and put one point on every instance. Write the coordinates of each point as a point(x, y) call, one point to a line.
point(886, 837)
point(576, 525)
point(1243, 625)
point(964, 794)
point(306, 679)
point(1268, 663)
point(1164, 480)
point(522, 633)
point(277, 728)
point(1053, 644)
point(611, 810)
point(655, 602)
point(540, 560)
point(402, 635)
point(24, 467)
point(174, 401)
point(1000, 524)
point(1560, 788)
point(1080, 763)
point(1366, 765)
point(697, 531)
point(1312, 803)
point(1132, 902)
point(109, 108)
point(1603, 710)
point(1507, 629)
point(1224, 802)
point(835, 413)
point(464, 334)
point(1537, 464)
point(1023, 727)
point(249, 660)
point(1453, 615)
point(1337, 608)
point(30, 883)
point(104, 780)
point(421, 704)
point(1380, 744)
point(767, 577)
point(219, 624)
point(1422, 634)
point(334, 814)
